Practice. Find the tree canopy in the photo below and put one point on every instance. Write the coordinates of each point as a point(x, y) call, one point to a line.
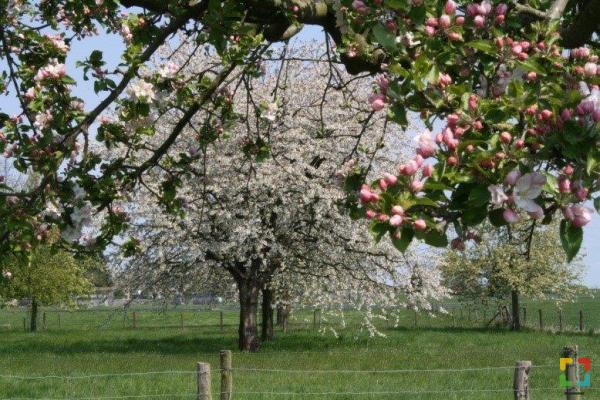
point(510, 91)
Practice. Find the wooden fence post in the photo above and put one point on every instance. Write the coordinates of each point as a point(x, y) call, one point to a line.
point(181, 317)
point(134, 320)
point(203, 376)
point(24, 324)
point(221, 321)
point(541, 319)
point(524, 315)
point(44, 323)
point(560, 319)
point(226, 375)
point(581, 321)
point(59, 320)
point(416, 319)
point(521, 380)
point(572, 373)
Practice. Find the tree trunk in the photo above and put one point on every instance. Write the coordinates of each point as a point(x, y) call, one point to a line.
point(516, 311)
point(283, 312)
point(267, 315)
point(248, 330)
point(34, 314)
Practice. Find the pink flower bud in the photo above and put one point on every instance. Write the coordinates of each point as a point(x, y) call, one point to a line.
point(531, 76)
point(427, 170)
point(377, 102)
point(419, 160)
point(460, 20)
point(510, 216)
point(512, 177)
point(505, 137)
point(519, 144)
point(479, 21)
point(409, 169)
point(590, 69)
point(472, 9)
point(383, 218)
point(473, 100)
point(390, 179)
point(564, 185)
point(396, 220)
point(478, 125)
point(501, 9)
point(371, 214)
point(566, 114)
point(453, 119)
point(568, 170)
point(499, 42)
point(582, 193)
point(383, 185)
point(445, 21)
point(429, 31)
point(546, 114)
point(398, 210)
point(416, 186)
point(420, 225)
point(431, 21)
point(450, 7)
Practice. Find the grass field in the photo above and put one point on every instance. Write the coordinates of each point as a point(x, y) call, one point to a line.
point(88, 348)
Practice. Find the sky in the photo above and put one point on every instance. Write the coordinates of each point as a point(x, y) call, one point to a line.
point(112, 47)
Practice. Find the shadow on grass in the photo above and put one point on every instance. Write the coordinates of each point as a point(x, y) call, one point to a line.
point(196, 341)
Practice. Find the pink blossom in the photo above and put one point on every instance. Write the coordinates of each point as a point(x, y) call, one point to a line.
point(580, 215)
point(371, 214)
point(510, 216)
point(419, 160)
point(505, 137)
point(445, 21)
point(498, 195)
point(479, 21)
point(568, 170)
point(590, 69)
point(383, 185)
point(528, 188)
point(377, 101)
point(384, 83)
point(581, 193)
point(472, 9)
point(564, 185)
point(501, 9)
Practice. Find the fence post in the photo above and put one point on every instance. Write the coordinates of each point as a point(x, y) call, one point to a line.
point(59, 320)
point(572, 373)
point(203, 376)
point(44, 324)
point(226, 375)
point(560, 319)
point(541, 319)
point(416, 318)
point(24, 324)
point(524, 315)
point(181, 315)
point(521, 380)
point(580, 320)
point(221, 321)
point(134, 320)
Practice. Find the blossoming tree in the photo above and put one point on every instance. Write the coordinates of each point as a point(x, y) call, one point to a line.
point(513, 85)
point(268, 217)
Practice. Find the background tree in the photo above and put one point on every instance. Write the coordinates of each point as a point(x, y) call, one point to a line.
point(272, 216)
point(502, 267)
point(48, 277)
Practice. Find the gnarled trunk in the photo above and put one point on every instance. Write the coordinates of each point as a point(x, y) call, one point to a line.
point(248, 329)
point(267, 315)
point(516, 316)
point(34, 314)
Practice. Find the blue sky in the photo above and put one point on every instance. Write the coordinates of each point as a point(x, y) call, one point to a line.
point(112, 47)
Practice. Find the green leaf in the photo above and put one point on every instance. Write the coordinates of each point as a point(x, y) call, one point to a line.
point(533, 65)
point(378, 230)
point(474, 216)
point(571, 238)
point(597, 204)
point(496, 217)
point(436, 238)
point(592, 161)
point(485, 46)
point(479, 196)
point(406, 236)
point(385, 38)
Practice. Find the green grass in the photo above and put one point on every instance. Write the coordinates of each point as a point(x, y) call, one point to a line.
point(87, 344)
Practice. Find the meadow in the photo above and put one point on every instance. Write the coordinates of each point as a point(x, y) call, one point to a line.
point(98, 354)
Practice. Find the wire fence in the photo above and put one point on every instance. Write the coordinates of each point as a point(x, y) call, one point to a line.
point(306, 392)
point(546, 317)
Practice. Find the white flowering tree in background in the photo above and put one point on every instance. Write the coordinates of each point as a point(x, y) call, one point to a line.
point(509, 262)
point(273, 215)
